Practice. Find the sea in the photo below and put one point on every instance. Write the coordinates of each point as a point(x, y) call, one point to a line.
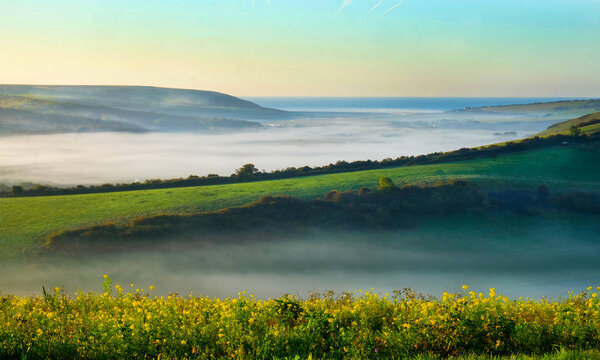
point(393, 104)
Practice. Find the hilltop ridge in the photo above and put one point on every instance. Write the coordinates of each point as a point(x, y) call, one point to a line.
point(586, 125)
point(31, 109)
point(554, 110)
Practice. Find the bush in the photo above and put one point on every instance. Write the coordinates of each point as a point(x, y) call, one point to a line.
point(390, 207)
point(386, 184)
point(574, 131)
point(362, 326)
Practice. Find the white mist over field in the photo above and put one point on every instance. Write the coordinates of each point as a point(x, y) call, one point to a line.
point(541, 257)
point(97, 158)
point(520, 256)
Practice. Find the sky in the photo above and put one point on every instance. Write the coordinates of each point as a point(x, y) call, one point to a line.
point(308, 47)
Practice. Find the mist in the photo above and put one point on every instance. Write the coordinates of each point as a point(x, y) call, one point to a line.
point(537, 257)
point(520, 256)
point(97, 158)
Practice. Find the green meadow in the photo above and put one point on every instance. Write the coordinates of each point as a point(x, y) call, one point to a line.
point(26, 221)
point(587, 124)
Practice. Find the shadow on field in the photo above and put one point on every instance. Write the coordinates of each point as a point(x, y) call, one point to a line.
point(272, 218)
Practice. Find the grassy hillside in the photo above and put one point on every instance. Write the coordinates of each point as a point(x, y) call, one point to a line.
point(385, 208)
point(550, 110)
point(587, 124)
point(35, 115)
point(25, 221)
point(29, 115)
point(146, 98)
point(57, 109)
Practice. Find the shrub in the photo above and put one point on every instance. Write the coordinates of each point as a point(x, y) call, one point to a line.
point(360, 326)
point(574, 131)
point(386, 184)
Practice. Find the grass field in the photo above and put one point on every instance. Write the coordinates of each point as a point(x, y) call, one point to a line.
point(563, 128)
point(25, 221)
point(403, 325)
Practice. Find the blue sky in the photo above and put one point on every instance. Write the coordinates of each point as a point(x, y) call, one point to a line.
point(309, 47)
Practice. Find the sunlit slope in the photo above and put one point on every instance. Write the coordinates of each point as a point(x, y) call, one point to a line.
point(547, 110)
point(25, 221)
point(587, 124)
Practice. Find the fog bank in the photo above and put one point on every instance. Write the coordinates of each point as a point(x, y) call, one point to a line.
point(536, 257)
point(96, 158)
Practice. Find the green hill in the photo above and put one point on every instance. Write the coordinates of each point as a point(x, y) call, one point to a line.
point(26, 221)
point(587, 125)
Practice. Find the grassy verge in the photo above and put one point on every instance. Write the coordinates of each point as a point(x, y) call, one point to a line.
point(357, 326)
point(24, 222)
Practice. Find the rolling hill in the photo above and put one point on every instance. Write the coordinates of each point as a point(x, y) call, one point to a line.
point(26, 109)
point(37, 109)
point(557, 110)
point(26, 221)
point(587, 124)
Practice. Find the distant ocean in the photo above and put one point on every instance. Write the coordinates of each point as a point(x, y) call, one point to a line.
point(391, 104)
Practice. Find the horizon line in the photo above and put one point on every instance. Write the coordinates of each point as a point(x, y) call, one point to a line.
point(583, 97)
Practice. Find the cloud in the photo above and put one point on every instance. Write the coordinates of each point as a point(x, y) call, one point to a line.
point(344, 4)
point(375, 6)
point(394, 7)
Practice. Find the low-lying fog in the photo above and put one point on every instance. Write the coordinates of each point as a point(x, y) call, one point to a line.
point(519, 257)
point(96, 158)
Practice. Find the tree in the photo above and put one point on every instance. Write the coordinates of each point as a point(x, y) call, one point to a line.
point(246, 172)
point(17, 190)
point(574, 131)
point(386, 184)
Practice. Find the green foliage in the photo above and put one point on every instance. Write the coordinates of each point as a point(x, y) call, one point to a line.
point(106, 285)
point(386, 184)
point(574, 131)
point(465, 325)
point(246, 172)
point(17, 190)
point(289, 310)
